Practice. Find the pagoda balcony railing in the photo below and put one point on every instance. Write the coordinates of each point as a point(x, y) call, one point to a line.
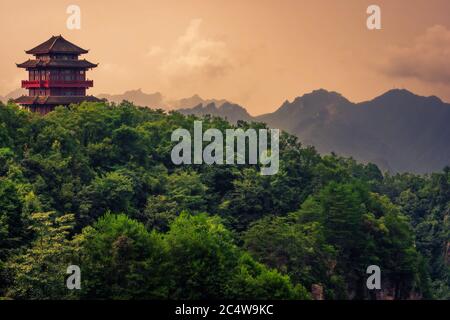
point(27, 84)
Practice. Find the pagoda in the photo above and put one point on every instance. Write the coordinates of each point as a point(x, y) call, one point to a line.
point(56, 76)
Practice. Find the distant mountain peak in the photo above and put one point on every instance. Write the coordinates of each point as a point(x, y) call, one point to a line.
point(397, 92)
point(155, 100)
point(226, 110)
point(404, 96)
point(231, 106)
point(317, 99)
point(14, 94)
point(322, 95)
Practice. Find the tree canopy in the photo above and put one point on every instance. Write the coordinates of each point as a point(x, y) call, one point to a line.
point(93, 185)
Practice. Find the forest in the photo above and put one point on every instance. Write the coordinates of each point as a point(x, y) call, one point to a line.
point(93, 185)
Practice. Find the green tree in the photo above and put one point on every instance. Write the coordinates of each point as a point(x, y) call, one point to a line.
point(297, 249)
point(120, 259)
point(39, 272)
point(205, 263)
point(12, 224)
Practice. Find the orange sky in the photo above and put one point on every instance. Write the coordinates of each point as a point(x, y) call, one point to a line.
point(257, 53)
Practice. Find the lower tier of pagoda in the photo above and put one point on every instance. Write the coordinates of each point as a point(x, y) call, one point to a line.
point(55, 100)
point(27, 84)
point(46, 104)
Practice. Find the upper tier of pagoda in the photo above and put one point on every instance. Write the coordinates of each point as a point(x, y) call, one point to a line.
point(57, 44)
point(57, 52)
point(57, 63)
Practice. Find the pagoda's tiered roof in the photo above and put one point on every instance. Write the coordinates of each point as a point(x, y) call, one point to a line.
point(58, 54)
point(56, 63)
point(57, 44)
point(54, 100)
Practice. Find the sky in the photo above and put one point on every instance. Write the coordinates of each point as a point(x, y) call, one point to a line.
point(257, 53)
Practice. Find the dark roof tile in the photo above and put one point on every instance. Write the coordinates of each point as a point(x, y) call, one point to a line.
point(55, 100)
point(57, 44)
point(57, 64)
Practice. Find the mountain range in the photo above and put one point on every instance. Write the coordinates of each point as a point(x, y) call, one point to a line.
point(152, 100)
point(157, 100)
point(399, 130)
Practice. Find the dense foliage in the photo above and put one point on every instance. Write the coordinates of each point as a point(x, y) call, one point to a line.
point(94, 185)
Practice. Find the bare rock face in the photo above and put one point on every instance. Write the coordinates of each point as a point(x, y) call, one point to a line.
point(390, 291)
point(317, 292)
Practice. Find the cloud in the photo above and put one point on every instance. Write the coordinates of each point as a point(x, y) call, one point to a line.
point(426, 59)
point(155, 51)
point(112, 67)
point(194, 56)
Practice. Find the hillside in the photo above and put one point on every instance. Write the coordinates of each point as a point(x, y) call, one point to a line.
point(399, 130)
point(95, 184)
